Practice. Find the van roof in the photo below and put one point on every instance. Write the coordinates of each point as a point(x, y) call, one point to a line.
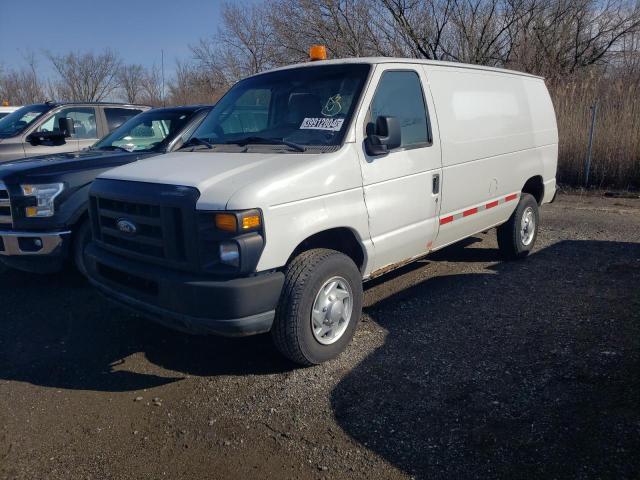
point(379, 60)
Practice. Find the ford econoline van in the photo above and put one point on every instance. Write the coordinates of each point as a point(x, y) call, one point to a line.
point(305, 181)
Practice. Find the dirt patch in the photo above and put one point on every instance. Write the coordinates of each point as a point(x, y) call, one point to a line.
point(463, 367)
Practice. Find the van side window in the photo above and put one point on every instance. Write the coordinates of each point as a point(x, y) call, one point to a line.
point(399, 94)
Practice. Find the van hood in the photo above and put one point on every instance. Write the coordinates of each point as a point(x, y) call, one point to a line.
point(246, 180)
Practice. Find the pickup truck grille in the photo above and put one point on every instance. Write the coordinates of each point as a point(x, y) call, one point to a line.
point(161, 231)
point(5, 207)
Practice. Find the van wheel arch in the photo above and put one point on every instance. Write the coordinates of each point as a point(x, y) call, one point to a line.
point(535, 187)
point(340, 239)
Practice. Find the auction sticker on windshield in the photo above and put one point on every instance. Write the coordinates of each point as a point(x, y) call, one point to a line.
point(331, 124)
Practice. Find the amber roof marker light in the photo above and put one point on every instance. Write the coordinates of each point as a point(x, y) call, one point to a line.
point(317, 52)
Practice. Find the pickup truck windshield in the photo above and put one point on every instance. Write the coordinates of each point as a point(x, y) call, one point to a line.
point(299, 108)
point(145, 132)
point(16, 122)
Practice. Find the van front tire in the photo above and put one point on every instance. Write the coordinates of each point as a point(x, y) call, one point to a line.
point(517, 236)
point(81, 238)
point(319, 308)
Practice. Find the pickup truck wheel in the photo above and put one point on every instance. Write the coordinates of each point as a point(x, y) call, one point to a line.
point(517, 236)
point(81, 238)
point(319, 308)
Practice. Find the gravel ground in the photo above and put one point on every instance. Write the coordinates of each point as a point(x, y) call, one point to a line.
point(462, 367)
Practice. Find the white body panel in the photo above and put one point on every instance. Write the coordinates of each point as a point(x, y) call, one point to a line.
point(403, 211)
point(7, 110)
point(497, 131)
point(492, 131)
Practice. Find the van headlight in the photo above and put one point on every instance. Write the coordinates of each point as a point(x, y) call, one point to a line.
point(230, 241)
point(45, 195)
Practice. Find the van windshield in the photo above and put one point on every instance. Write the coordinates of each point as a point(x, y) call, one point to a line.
point(299, 108)
point(18, 121)
point(147, 131)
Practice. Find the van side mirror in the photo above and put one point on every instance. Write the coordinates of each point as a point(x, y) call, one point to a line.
point(384, 136)
point(66, 125)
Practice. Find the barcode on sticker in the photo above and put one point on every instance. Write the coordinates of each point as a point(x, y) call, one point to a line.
point(332, 124)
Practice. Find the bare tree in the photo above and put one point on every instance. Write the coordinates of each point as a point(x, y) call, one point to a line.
point(85, 77)
point(21, 87)
point(194, 84)
point(152, 93)
point(131, 79)
point(241, 46)
point(419, 27)
point(348, 28)
point(559, 38)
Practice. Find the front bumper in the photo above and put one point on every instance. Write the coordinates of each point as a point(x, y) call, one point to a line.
point(30, 243)
point(35, 252)
point(185, 301)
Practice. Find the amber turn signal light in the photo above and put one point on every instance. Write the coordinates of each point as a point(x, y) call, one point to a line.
point(226, 222)
point(317, 52)
point(250, 221)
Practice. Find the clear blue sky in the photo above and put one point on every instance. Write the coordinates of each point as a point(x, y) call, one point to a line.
point(136, 29)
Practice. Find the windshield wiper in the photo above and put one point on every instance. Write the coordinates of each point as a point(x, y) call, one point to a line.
point(194, 142)
point(267, 141)
point(113, 147)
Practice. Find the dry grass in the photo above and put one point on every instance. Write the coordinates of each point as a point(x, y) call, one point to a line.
point(616, 147)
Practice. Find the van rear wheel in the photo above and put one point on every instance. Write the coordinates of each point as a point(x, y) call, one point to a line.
point(319, 308)
point(517, 236)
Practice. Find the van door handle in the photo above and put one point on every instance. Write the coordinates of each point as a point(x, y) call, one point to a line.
point(436, 184)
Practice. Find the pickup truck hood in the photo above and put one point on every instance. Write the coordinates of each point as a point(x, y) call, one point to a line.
point(65, 163)
point(248, 180)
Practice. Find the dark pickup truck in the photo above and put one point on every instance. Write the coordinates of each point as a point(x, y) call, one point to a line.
point(44, 200)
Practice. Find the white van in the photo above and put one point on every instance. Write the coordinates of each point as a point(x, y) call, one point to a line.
point(6, 110)
point(304, 181)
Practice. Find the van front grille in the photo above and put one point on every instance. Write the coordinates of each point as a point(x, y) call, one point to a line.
point(145, 222)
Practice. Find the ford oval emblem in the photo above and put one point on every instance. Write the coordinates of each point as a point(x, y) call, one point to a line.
point(125, 226)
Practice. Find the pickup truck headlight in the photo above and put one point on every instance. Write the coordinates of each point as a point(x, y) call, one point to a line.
point(45, 195)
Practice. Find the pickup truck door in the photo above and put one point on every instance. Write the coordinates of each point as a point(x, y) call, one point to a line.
point(402, 188)
point(85, 131)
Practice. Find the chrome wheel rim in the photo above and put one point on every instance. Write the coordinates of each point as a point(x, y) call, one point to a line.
point(332, 311)
point(527, 226)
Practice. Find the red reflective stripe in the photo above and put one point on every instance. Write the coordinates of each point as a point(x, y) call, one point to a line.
point(448, 219)
point(491, 204)
point(471, 211)
point(511, 197)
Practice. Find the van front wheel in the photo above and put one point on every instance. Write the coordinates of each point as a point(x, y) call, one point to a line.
point(517, 236)
point(319, 308)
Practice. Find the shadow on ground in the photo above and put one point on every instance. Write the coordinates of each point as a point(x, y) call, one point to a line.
point(528, 371)
point(57, 331)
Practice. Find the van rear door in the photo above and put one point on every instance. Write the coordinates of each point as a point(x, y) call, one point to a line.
point(402, 187)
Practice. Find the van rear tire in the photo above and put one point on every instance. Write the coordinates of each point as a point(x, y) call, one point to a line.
point(319, 308)
point(517, 236)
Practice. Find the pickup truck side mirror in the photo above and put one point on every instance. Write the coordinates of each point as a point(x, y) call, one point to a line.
point(47, 138)
point(384, 136)
point(66, 125)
